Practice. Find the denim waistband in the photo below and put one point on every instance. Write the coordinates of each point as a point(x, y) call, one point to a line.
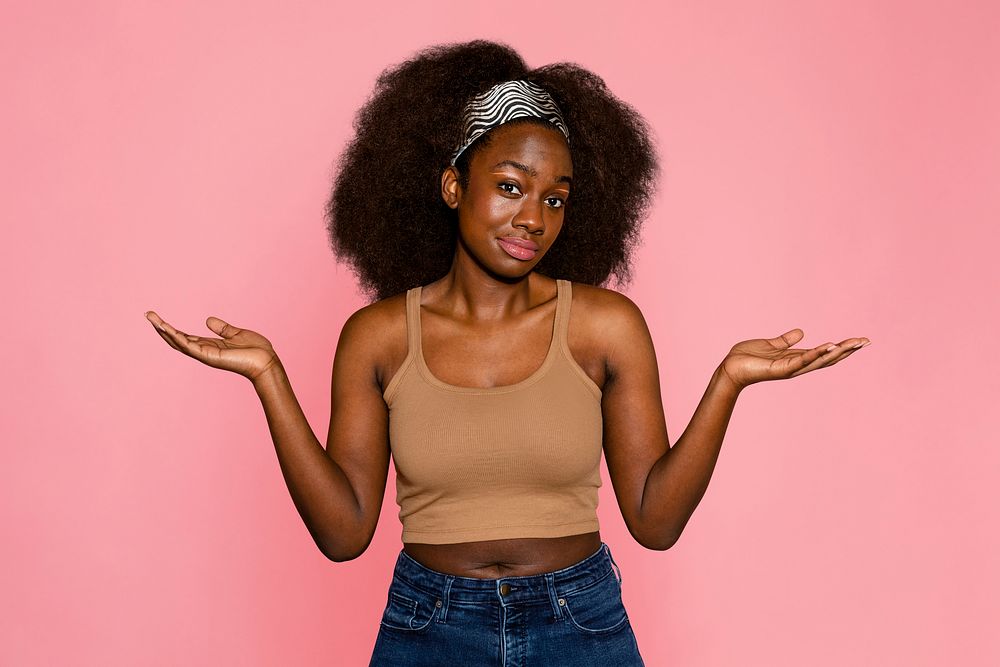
point(509, 590)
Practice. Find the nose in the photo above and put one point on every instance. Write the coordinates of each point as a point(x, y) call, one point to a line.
point(529, 217)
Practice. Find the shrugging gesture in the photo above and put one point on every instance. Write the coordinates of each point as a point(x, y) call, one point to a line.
point(762, 359)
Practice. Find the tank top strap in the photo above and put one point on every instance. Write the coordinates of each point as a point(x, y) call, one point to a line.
point(564, 298)
point(413, 321)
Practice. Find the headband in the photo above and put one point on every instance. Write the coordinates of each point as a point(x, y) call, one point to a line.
point(503, 103)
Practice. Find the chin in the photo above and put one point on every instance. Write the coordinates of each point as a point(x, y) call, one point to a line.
point(513, 273)
point(517, 273)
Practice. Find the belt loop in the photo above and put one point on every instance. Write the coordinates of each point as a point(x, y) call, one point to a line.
point(614, 564)
point(550, 585)
point(448, 580)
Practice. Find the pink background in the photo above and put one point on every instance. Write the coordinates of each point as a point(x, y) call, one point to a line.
point(830, 166)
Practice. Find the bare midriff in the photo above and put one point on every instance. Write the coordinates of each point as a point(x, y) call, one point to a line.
point(493, 559)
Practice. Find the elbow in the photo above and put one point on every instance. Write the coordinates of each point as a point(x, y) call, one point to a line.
point(658, 540)
point(344, 551)
point(662, 544)
point(341, 557)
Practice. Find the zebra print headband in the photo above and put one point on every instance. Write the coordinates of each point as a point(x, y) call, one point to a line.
point(505, 102)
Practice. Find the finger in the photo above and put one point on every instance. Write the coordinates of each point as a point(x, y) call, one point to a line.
point(185, 343)
point(192, 346)
point(158, 326)
point(827, 354)
point(843, 349)
point(157, 321)
point(170, 341)
point(165, 336)
point(787, 339)
point(846, 354)
point(154, 319)
point(221, 327)
point(810, 356)
point(182, 335)
point(814, 358)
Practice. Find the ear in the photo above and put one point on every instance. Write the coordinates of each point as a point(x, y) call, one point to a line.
point(451, 191)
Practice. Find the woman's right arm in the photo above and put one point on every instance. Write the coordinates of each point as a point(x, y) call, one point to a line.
point(338, 491)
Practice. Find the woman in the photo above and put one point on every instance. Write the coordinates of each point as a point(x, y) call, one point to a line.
point(483, 205)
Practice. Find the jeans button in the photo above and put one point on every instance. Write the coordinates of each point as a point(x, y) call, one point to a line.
point(504, 589)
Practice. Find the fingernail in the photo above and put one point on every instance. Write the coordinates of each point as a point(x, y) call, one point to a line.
point(857, 345)
point(832, 347)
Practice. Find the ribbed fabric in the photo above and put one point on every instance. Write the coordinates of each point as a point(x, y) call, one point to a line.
point(520, 460)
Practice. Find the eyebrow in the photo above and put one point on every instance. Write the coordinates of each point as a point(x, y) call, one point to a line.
point(528, 170)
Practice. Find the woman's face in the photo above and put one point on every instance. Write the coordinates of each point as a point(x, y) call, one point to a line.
point(512, 210)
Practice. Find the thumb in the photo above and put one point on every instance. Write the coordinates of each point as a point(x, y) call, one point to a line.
point(221, 327)
point(788, 338)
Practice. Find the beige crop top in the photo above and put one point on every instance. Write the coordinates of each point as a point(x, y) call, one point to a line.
point(520, 460)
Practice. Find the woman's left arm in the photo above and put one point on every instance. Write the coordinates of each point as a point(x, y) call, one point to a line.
point(658, 486)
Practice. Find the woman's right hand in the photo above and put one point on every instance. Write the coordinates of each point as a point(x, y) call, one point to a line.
point(239, 350)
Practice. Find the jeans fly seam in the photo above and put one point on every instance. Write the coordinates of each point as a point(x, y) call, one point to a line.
point(551, 587)
point(443, 618)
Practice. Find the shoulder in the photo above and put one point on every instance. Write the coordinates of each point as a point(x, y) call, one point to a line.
point(610, 326)
point(606, 309)
point(377, 333)
point(378, 317)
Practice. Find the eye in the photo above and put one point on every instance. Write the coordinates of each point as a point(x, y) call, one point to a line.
point(513, 189)
point(555, 202)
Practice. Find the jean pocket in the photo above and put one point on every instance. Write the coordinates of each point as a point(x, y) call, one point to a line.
point(409, 609)
point(597, 609)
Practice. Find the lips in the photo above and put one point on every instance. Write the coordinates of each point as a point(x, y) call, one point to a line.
point(518, 248)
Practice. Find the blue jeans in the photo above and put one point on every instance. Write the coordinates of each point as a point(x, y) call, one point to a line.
point(573, 616)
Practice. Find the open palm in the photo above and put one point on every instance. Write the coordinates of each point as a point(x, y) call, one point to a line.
point(239, 350)
point(763, 359)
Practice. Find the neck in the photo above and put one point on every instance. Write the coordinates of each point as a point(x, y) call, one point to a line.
point(468, 291)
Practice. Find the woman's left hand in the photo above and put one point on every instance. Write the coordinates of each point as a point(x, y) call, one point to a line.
point(773, 359)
